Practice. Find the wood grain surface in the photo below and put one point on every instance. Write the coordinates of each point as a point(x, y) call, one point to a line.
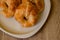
point(50, 30)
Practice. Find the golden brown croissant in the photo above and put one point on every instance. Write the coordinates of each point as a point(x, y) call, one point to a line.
point(9, 7)
point(27, 12)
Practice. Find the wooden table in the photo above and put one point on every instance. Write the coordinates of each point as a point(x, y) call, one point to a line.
point(51, 29)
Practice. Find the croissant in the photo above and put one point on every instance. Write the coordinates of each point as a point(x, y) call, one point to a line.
point(9, 7)
point(27, 12)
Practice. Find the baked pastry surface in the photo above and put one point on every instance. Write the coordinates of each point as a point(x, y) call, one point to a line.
point(9, 7)
point(27, 12)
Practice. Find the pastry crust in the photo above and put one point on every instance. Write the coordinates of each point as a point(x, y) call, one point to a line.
point(9, 7)
point(27, 12)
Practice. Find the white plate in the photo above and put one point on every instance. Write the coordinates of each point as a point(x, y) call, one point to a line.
point(15, 28)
